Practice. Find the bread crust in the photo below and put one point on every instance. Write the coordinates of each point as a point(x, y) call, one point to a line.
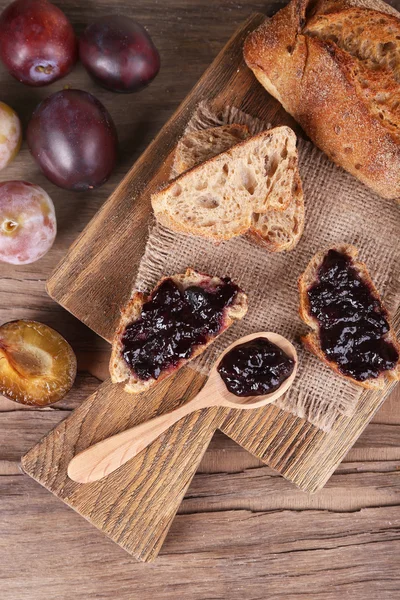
point(120, 371)
point(312, 341)
point(314, 81)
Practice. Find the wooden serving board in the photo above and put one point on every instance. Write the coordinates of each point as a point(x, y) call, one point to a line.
point(135, 505)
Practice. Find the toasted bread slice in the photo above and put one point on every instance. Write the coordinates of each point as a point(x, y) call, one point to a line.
point(217, 198)
point(312, 340)
point(119, 368)
point(275, 230)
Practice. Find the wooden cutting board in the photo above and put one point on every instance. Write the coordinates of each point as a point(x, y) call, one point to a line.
point(135, 505)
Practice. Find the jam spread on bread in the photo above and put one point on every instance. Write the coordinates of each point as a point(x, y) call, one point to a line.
point(352, 320)
point(173, 322)
point(255, 368)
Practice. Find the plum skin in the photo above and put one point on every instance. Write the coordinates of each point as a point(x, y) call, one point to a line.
point(28, 224)
point(10, 135)
point(37, 42)
point(73, 138)
point(119, 54)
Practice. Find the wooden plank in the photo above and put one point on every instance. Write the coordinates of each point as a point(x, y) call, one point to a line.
point(20, 430)
point(250, 553)
point(136, 504)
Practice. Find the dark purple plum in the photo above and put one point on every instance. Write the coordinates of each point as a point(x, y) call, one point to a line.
point(119, 54)
point(73, 139)
point(37, 42)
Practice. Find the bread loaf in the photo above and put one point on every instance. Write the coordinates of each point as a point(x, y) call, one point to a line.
point(335, 66)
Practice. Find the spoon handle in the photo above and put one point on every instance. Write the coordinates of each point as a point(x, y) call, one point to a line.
point(106, 456)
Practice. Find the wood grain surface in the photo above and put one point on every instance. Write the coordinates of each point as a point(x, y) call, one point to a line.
point(262, 538)
point(299, 451)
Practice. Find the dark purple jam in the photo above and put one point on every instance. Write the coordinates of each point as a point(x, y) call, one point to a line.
point(255, 368)
point(173, 323)
point(352, 321)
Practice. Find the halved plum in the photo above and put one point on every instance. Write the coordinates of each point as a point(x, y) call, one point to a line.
point(37, 365)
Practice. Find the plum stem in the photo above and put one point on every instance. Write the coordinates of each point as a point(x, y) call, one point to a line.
point(9, 225)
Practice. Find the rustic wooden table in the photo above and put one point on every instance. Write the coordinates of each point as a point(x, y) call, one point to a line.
point(243, 532)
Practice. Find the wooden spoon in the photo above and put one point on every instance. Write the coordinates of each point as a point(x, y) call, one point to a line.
point(106, 456)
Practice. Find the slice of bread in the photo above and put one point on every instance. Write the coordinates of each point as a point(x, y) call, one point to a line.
point(275, 230)
point(201, 145)
point(217, 198)
point(119, 368)
point(280, 230)
point(312, 339)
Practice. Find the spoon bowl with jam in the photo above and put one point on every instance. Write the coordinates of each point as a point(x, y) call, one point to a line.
point(252, 372)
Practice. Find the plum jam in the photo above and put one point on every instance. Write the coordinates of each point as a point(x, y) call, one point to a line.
point(173, 323)
point(255, 368)
point(352, 320)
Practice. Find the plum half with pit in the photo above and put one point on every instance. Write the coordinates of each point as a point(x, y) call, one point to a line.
point(10, 134)
point(37, 42)
point(73, 139)
point(27, 222)
point(37, 365)
point(119, 54)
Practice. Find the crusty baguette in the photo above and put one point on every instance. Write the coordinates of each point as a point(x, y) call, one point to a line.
point(217, 198)
point(275, 230)
point(201, 145)
point(334, 66)
point(312, 340)
point(119, 369)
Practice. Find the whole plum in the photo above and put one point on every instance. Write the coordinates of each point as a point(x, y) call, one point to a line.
point(119, 54)
point(73, 139)
point(37, 42)
point(27, 222)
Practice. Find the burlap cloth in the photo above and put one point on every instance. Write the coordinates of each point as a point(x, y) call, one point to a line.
point(338, 209)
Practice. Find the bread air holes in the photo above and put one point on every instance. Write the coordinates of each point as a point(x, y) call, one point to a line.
point(277, 233)
point(207, 201)
point(200, 186)
point(249, 180)
point(284, 152)
point(271, 165)
point(281, 201)
point(176, 190)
